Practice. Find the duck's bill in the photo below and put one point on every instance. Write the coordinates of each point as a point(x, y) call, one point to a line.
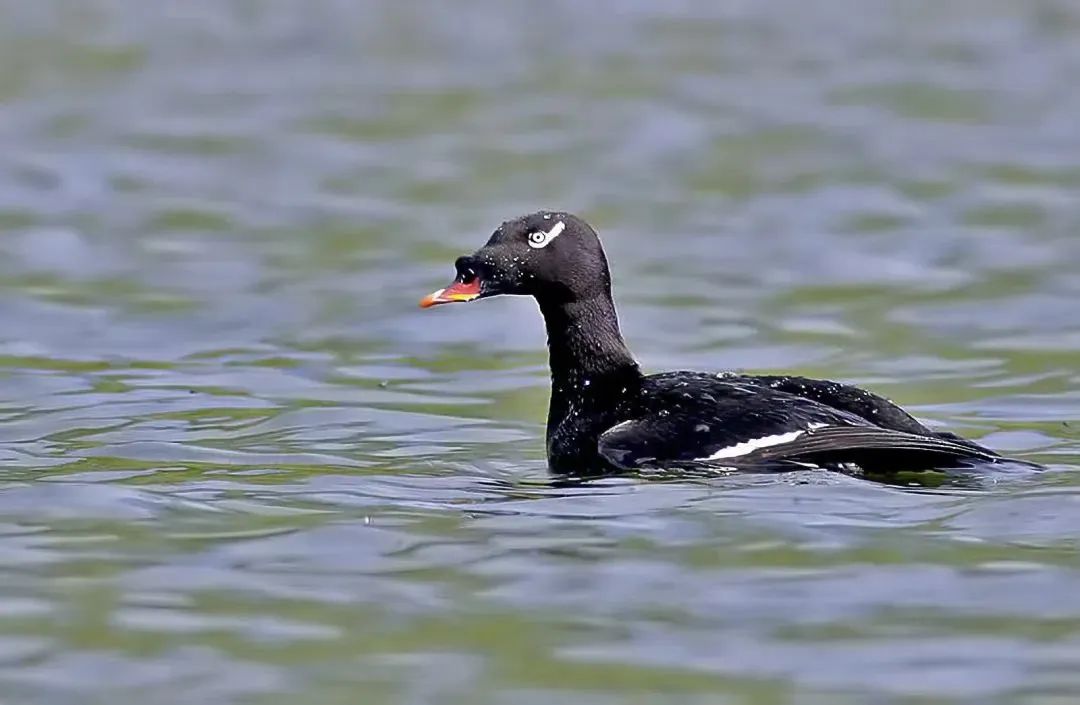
point(458, 292)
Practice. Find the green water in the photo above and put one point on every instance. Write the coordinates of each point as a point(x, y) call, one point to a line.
point(239, 466)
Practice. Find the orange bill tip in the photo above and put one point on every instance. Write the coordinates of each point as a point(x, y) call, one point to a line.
point(458, 292)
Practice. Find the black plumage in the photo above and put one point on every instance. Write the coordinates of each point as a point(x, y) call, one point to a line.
point(605, 415)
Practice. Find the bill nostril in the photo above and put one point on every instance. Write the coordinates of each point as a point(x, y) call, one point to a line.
point(466, 272)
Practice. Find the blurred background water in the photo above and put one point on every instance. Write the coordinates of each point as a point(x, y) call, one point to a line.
point(239, 465)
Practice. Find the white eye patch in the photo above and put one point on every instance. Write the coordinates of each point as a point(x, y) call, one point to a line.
point(538, 238)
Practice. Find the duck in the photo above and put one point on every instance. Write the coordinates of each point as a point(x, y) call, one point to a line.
point(606, 416)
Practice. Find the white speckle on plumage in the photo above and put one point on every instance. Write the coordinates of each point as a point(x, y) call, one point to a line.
point(702, 428)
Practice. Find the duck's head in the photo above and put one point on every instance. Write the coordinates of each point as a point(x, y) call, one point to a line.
point(550, 255)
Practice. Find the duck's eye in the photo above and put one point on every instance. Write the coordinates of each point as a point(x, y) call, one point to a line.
point(539, 238)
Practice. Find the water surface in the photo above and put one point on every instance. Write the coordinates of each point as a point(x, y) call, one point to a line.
point(239, 465)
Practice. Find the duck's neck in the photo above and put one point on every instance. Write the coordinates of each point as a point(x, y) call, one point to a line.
point(586, 352)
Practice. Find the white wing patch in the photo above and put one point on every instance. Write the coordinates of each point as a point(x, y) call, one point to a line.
point(619, 425)
point(747, 447)
point(539, 238)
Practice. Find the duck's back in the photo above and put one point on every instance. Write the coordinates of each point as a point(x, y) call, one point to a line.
point(692, 418)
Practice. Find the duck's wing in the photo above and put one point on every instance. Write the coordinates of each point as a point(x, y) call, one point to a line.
point(708, 422)
point(645, 443)
point(873, 449)
point(874, 408)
